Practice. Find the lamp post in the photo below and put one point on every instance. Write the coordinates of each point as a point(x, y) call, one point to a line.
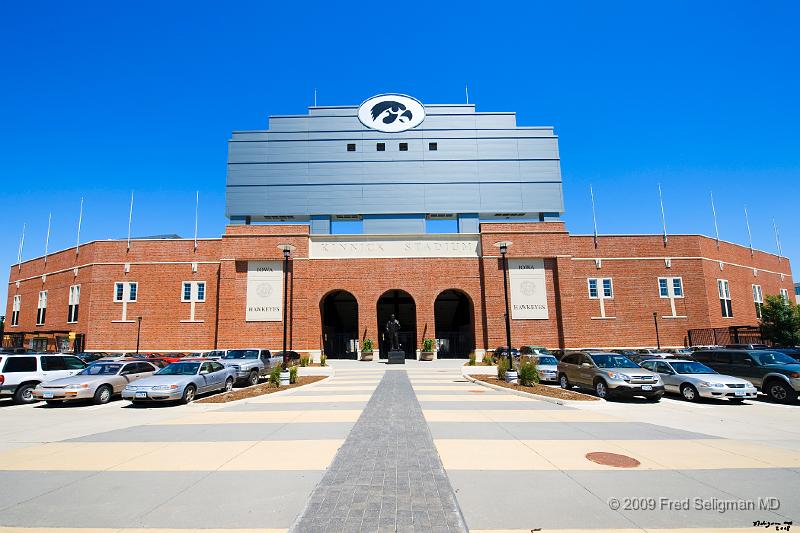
point(655, 321)
point(287, 251)
point(138, 332)
point(511, 374)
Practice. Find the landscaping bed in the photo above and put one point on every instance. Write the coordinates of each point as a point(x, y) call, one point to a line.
point(542, 390)
point(258, 390)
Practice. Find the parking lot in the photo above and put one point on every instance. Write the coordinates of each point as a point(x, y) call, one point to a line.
point(327, 457)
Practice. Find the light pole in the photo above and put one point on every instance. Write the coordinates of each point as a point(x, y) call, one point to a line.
point(511, 374)
point(658, 338)
point(138, 332)
point(287, 251)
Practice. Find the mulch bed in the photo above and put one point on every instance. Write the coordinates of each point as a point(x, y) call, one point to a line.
point(258, 390)
point(544, 390)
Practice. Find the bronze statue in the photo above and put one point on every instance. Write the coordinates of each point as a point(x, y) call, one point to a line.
point(393, 333)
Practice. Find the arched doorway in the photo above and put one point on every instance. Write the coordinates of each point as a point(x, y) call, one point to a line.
point(401, 305)
point(455, 330)
point(339, 325)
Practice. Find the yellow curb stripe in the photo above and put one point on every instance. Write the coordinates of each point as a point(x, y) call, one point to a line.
point(490, 415)
point(265, 417)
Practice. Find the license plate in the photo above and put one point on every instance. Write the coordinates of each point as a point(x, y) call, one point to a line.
point(47, 394)
point(740, 393)
point(647, 387)
point(141, 395)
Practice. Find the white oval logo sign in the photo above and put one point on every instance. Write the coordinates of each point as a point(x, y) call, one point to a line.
point(391, 113)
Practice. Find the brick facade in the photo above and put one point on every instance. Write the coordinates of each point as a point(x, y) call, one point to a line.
point(160, 266)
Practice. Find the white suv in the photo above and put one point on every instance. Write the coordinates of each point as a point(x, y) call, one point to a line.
point(21, 373)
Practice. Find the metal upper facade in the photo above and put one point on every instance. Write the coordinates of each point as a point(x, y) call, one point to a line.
point(484, 164)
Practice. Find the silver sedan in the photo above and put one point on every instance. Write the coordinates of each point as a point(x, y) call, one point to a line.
point(99, 382)
point(547, 366)
point(182, 381)
point(694, 380)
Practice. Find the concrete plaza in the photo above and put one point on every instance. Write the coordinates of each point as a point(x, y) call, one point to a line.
point(330, 457)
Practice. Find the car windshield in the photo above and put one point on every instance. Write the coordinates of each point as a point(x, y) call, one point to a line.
point(607, 360)
point(241, 354)
point(179, 369)
point(547, 360)
point(772, 358)
point(100, 369)
point(691, 367)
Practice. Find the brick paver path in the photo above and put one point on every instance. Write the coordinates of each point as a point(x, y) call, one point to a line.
point(387, 476)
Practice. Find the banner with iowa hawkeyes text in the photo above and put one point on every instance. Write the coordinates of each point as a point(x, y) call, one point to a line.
point(264, 291)
point(528, 289)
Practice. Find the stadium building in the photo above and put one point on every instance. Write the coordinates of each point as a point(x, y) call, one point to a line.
point(391, 207)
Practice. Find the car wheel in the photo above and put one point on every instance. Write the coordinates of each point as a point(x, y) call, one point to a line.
point(601, 389)
point(24, 393)
point(252, 379)
point(188, 394)
point(564, 382)
point(780, 392)
point(689, 393)
point(228, 384)
point(102, 395)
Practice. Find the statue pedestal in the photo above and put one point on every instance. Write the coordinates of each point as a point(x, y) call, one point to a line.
point(396, 357)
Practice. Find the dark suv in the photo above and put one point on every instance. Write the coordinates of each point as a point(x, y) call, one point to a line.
point(775, 374)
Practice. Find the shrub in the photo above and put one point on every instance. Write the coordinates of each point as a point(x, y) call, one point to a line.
point(780, 321)
point(472, 359)
point(502, 367)
point(367, 345)
point(427, 345)
point(488, 359)
point(293, 375)
point(304, 359)
point(275, 376)
point(323, 360)
point(528, 374)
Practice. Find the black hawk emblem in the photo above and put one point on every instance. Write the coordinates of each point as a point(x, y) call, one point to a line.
point(391, 111)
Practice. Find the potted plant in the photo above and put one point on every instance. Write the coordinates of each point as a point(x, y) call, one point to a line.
point(366, 350)
point(427, 350)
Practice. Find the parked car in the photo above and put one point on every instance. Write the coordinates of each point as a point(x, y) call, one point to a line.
point(90, 357)
point(294, 357)
point(502, 352)
point(250, 364)
point(98, 382)
point(609, 374)
point(547, 366)
point(22, 373)
point(774, 373)
point(746, 346)
point(627, 353)
point(639, 357)
point(792, 352)
point(534, 350)
point(181, 381)
point(694, 380)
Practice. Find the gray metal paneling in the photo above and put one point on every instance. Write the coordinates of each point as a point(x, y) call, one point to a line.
point(385, 225)
point(484, 163)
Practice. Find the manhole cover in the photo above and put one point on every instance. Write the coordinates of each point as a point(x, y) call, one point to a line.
point(612, 459)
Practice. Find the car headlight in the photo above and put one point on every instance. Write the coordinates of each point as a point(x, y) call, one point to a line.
point(165, 387)
point(794, 375)
point(618, 375)
point(74, 386)
point(704, 383)
point(718, 385)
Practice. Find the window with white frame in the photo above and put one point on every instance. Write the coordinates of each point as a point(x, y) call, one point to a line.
point(785, 295)
point(758, 299)
point(671, 288)
point(125, 292)
point(724, 290)
point(15, 310)
point(193, 292)
point(74, 301)
point(41, 308)
point(601, 289)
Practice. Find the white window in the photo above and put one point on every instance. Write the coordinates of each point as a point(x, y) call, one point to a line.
point(724, 290)
point(41, 308)
point(15, 310)
point(758, 299)
point(125, 292)
point(74, 302)
point(601, 289)
point(193, 292)
point(671, 288)
point(785, 295)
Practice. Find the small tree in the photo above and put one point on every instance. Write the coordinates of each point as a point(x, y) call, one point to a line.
point(780, 321)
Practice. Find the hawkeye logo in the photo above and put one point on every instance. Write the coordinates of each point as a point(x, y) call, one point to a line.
point(391, 113)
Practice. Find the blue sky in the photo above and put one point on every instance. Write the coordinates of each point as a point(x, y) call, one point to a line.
point(99, 98)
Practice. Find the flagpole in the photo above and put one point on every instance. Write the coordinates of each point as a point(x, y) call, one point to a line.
point(196, 211)
point(47, 239)
point(315, 98)
point(749, 234)
point(663, 217)
point(714, 211)
point(130, 217)
point(21, 244)
point(594, 214)
point(777, 239)
point(466, 92)
point(80, 219)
